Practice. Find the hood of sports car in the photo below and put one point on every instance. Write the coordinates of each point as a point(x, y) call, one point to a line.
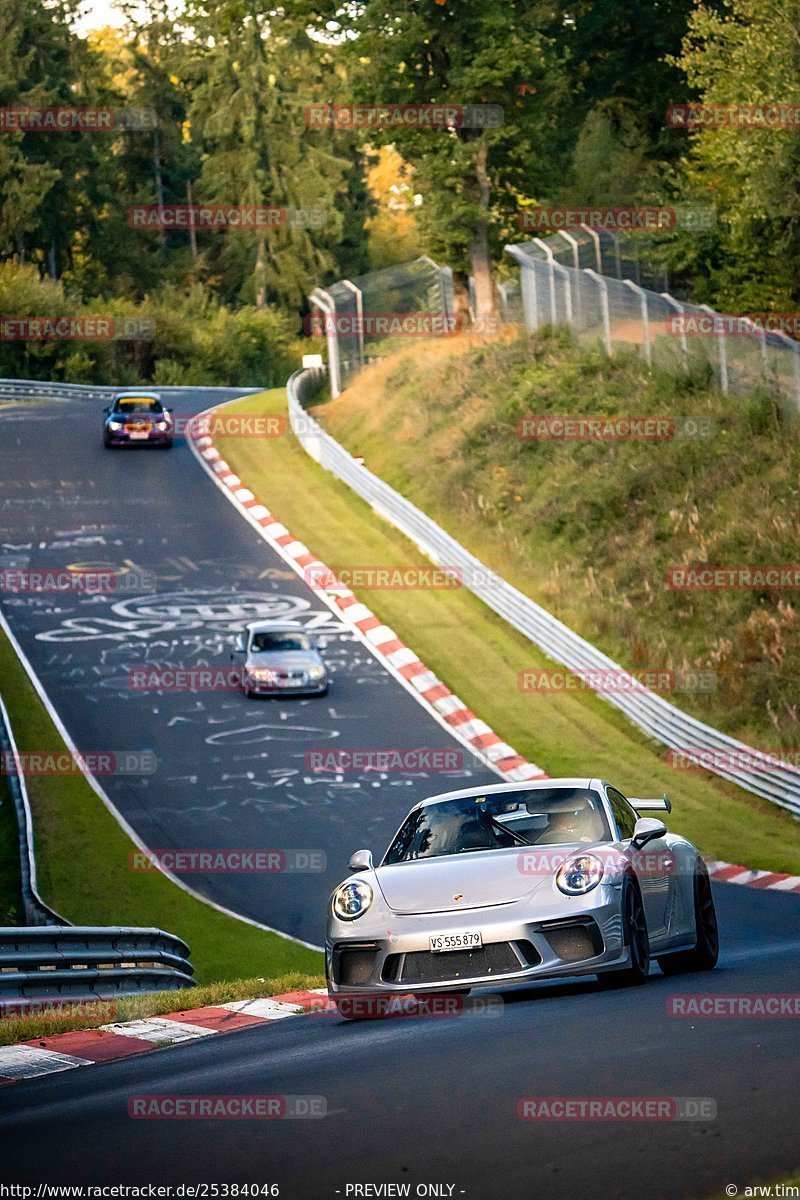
point(461, 881)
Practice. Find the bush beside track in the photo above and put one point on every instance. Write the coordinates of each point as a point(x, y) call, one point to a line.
point(478, 656)
point(82, 864)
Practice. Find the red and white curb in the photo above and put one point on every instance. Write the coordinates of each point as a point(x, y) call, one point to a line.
point(121, 1039)
point(384, 643)
point(728, 873)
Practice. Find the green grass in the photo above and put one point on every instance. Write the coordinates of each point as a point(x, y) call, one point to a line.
point(82, 863)
point(589, 529)
point(479, 657)
point(152, 1004)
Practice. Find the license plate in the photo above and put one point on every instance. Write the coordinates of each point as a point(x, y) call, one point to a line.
point(465, 940)
point(289, 682)
point(137, 437)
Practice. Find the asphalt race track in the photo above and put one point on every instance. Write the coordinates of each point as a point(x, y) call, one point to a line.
point(230, 772)
point(434, 1100)
point(408, 1102)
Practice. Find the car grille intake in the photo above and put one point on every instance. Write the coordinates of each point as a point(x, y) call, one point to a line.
point(495, 958)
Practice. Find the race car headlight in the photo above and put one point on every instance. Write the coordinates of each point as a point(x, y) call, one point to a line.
point(162, 425)
point(115, 424)
point(262, 673)
point(316, 672)
point(579, 874)
point(352, 899)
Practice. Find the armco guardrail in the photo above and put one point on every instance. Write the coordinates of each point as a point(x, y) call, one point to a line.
point(36, 911)
point(83, 962)
point(22, 389)
point(724, 756)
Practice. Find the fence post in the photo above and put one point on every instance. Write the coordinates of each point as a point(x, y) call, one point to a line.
point(576, 258)
point(598, 253)
point(359, 314)
point(680, 309)
point(324, 302)
point(551, 274)
point(603, 286)
point(527, 287)
point(722, 349)
point(640, 292)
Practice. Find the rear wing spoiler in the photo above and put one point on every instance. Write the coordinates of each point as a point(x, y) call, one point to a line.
point(662, 805)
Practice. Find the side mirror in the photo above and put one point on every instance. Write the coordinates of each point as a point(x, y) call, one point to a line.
point(239, 646)
point(167, 409)
point(647, 829)
point(321, 643)
point(107, 408)
point(361, 861)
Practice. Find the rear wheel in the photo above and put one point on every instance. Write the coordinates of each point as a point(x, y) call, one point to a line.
point(635, 937)
point(706, 951)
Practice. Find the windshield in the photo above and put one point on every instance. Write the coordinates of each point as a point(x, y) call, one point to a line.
point(544, 817)
point(279, 641)
point(136, 405)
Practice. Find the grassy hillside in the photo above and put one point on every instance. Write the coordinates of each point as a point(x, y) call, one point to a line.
point(590, 529)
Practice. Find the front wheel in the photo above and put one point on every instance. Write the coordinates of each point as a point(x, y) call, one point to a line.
point(635, 936)
point(706, 951)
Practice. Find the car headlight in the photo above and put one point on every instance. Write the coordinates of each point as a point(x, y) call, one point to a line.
point(115, 424)
point(162, 426)
point(316, 672)
point(579, 875)
point(352, 899)
point(262, 673)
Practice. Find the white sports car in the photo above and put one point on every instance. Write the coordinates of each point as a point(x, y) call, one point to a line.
point(515, 882)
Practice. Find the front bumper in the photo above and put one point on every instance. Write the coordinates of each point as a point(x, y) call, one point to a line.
point(260, 687)
point(583, 941)
point(156, 437)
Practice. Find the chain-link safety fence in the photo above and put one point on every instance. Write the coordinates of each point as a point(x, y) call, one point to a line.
point(594, 282)
point(355, 315)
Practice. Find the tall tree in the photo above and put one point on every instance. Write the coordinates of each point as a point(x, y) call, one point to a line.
point(461, 53)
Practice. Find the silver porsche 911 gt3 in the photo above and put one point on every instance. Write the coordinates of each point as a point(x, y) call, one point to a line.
point(515, 882)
